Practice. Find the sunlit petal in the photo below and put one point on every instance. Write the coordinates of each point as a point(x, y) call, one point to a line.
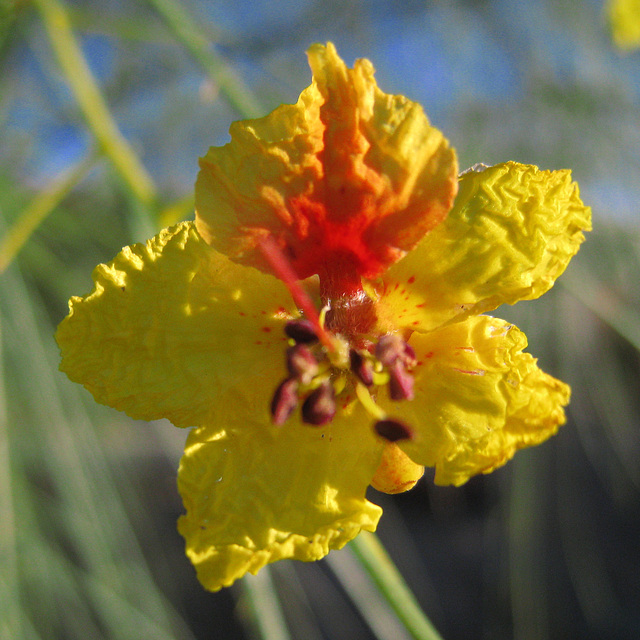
point(173, 328)
point(347, 179)
point(254, 497)
point(478, 399)
point(511, 233)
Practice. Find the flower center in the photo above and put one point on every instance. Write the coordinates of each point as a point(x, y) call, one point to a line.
point(355, 370)
point(336, 355)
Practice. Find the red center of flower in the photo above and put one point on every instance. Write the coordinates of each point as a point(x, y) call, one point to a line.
point(323, 351)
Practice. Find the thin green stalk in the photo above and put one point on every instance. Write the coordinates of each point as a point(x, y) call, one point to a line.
point(264, 606)
point(385, 574)
point(91, 101)
point(38, 209)
point(598, 298)
point(191, 35)
point(10, 618)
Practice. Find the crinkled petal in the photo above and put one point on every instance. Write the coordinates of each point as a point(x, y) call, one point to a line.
point(295, 491)
point(347, 179)
point(174, 329)
point(478, 399)
point(511, 233)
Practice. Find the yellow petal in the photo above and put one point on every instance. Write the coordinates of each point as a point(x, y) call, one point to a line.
point(478, 399)
point(624, 19)
point(511, 233)
point(347, 179)
point(174, 329)
point(295, 491)
point(397, 473)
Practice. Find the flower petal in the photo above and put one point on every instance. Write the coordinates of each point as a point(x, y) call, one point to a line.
point(624, 20)
point(346, 180)
point(173, 329)
point(295, 491)
point(511, 233)
point(478, 399)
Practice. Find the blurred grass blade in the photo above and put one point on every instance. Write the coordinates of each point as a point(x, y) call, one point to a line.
point(38, 209)
point(384, 573)
point(92, 103)
point(264, 609)
point(190, 34)
point(367, 598)
point(10, 624)
point(529, 601)
point(76, 546)
point(601, 300)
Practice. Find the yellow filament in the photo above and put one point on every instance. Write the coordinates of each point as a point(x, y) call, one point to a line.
point(369, 403)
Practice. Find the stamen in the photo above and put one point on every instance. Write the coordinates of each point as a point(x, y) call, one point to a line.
point(320, 406)
point(283, 270)
point(393, 430)
point(362, 367)
point(369, 403)
point(390, 347)
point(409, 357)
point(400, 382)
point(284, 401)
point(301, 363)
point(303, 331)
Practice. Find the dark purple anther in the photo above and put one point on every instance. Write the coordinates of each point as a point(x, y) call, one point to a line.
point(390, 347)
point(409, 356)
point(400, 382)
point(301, 363)
point(302, 331)
point(362, 367)
point(285, 400)
point(393, 430)
point(320, 406)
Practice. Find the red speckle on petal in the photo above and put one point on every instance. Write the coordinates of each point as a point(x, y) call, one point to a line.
point(266, 329)
point(411, 280)
point(242, 313)
point(419, 306)
point(415, 322)
point(429, 355)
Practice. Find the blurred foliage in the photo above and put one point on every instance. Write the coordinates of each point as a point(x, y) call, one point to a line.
point(544, 548)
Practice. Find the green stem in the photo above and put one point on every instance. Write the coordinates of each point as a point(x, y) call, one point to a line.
point(264, 605)
point(599, 298)
point(385, 574)
point(92, 103)
point(192, 36)
point(38, 209)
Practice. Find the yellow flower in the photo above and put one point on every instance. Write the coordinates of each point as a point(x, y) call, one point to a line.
point(297, 412)
point(624, 19)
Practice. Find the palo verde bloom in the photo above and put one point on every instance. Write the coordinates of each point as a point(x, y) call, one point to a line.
point(319, 323)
